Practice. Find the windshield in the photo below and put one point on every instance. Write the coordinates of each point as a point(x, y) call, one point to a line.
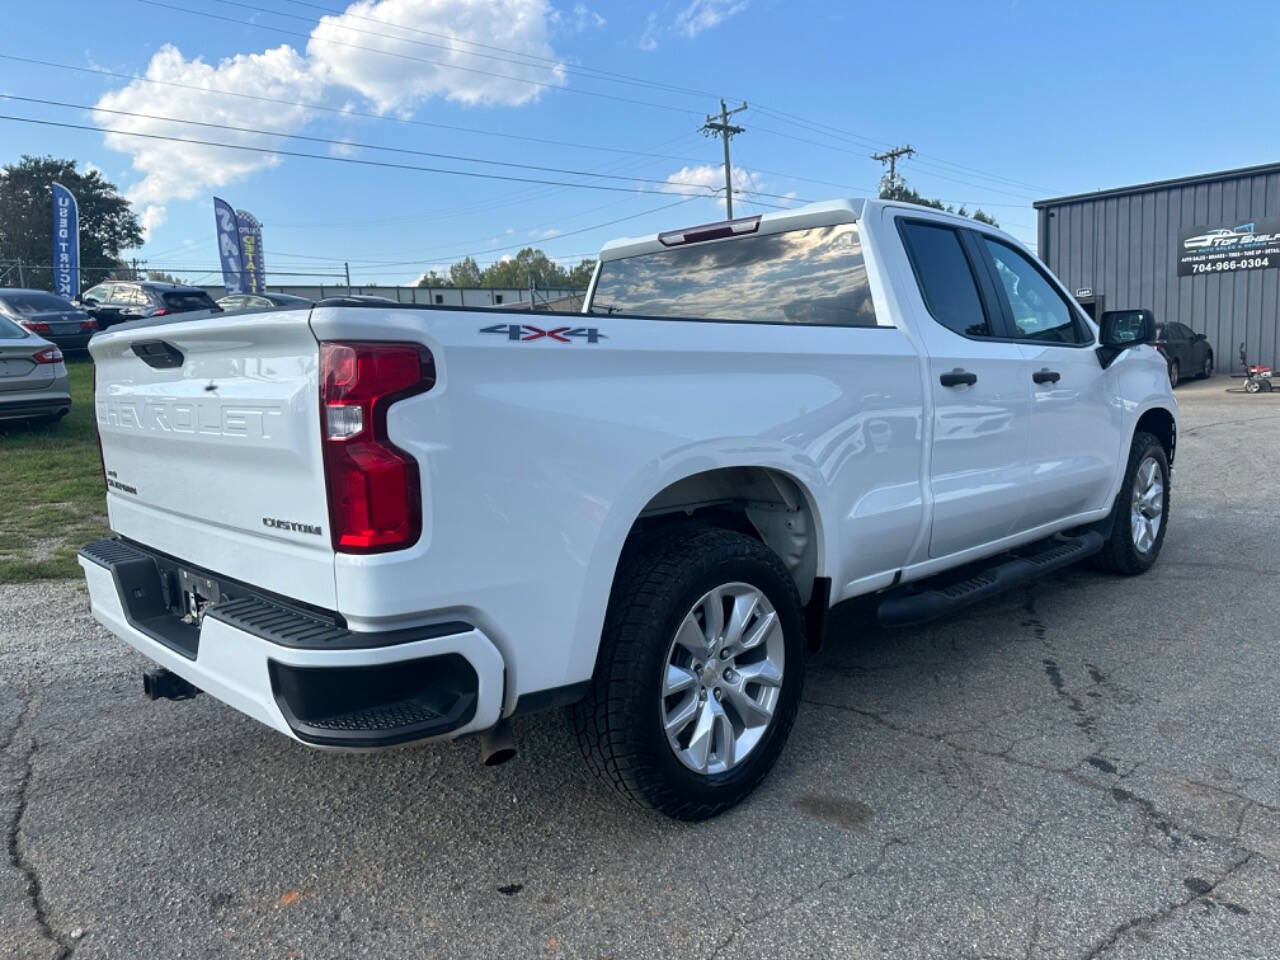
point(28, 303)
point(813, 276)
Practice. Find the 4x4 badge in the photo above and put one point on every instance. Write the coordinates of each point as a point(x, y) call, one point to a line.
point(525, 332)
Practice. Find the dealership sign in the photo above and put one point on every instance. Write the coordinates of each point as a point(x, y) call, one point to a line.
point(66, 243)
point(251, 248)
point(1254, 245)
point(229, 250)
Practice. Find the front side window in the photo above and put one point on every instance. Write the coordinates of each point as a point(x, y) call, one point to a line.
point(1040, 312)
point(812, 276)
point(946, 278)
point(97, 294)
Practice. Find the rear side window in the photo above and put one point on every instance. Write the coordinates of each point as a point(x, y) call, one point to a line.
point(182, 301)
point(28, 303)
point(10, 330)
point(1040, 312)
point(946, 278)
point(813, 276)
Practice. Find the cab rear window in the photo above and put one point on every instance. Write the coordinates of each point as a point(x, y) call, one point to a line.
point(812, 276)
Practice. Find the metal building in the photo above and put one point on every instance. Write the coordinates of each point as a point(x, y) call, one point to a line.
point(1203, 251)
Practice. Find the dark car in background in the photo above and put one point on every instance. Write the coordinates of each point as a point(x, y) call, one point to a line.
point(49, 316)
point(1188, 353)
point(116, 301)
point(262, 301)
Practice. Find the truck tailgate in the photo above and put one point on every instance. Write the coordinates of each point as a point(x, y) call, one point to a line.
point(210, 433)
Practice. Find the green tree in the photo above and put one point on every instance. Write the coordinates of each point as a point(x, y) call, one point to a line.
point(580, 276)
point(108, 224)
point(900, 191)
point(433, 279)
point(159, 276)
point(465, 273)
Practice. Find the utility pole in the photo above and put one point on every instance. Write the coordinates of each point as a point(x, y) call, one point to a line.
point(891, 157)
point(719, 126)
point(346, 267)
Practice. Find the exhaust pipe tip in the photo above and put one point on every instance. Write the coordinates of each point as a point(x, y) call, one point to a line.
point(160, 684)
point(497, 744)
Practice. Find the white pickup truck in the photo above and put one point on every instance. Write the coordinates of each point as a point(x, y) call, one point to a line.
point(365, 525)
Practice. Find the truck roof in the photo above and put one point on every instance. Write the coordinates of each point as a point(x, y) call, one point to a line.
point(823, 213)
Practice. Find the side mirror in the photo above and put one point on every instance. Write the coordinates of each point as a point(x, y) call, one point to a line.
point(1122, 329)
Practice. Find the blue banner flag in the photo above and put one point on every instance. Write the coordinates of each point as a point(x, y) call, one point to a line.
point(251, 248)
point(229, 250)
point(66, 243)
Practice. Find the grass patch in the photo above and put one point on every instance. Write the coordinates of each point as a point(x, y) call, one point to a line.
point(51, 486)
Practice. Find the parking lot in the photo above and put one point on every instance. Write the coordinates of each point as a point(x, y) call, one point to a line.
point(1090, 767)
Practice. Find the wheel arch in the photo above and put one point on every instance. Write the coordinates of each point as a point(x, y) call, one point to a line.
point(1161, 424)
point(716, 490)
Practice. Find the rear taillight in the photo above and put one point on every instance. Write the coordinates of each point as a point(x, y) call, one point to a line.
point(375, 500)
point(48, 355)
point(36, 326)
point(161, 312)
point(88, 326)
point(1159, 348)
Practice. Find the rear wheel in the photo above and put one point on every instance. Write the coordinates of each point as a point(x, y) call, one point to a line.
point(1140, 516)
point(699, 674)
point(1206, 371)
point(1175, 373)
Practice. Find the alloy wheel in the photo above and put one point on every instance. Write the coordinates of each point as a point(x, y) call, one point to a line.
point(723, 678)
point(1146, 511)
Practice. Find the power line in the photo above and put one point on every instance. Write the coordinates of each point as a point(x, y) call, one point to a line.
point(385, 164)
point(324, 140)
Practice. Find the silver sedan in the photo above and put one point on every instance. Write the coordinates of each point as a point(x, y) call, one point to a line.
point(33, 376)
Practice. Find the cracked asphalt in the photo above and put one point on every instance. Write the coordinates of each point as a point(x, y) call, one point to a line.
point(1087, 768)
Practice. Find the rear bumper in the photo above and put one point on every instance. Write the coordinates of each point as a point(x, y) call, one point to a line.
point(298, 670)
point(28, 404)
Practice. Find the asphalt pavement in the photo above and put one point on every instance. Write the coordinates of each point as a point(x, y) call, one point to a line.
point(1086, 768)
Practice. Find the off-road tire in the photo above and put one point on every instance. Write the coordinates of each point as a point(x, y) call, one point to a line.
point(619, 723)
point(1118, 553)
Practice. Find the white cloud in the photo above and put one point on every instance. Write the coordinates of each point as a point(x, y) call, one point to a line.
point(649, 39)
point(344, 147)
point(702, 15)
point(546, 234)
point(579, 19)
point(701, 180)
point(397, 71)
point(340, 65)
point(182, 170)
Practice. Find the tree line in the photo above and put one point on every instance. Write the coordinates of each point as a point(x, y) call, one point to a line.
point(529, 266)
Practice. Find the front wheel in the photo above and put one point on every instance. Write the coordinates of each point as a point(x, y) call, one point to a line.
point(1140, 516)
point(1206, 371)
point(699, 673)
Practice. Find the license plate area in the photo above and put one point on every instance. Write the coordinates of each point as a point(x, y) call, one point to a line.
point(196, 592)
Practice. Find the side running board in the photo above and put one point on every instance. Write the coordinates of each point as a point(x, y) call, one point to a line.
point(938, 596)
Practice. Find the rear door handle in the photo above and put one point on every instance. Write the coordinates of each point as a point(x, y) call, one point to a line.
point(1046, 376)
point(957, 377)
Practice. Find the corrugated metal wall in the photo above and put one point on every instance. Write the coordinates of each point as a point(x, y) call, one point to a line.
point(1125, 248)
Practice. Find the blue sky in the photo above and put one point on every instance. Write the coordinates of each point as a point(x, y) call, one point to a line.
point(1005, 102)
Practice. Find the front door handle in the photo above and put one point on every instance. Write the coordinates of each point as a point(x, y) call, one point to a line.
point(958, 377)
point(1046, 376)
